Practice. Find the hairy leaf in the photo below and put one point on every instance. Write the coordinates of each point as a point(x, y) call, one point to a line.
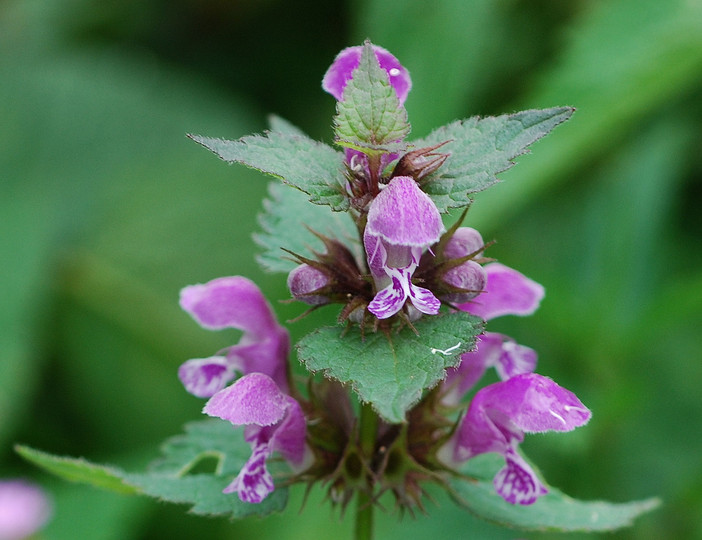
point(391, 372)
point(480, 148)
point(554, 511)
point(79, 470)
point(312, 167)
point(214, 446)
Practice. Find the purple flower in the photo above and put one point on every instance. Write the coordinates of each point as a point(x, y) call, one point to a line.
point(24, 509)
point(402, 222)
point(507, 292)
point(497, 419)
point(274, 423)
point(492, 350)
point(347, 61)
point(234, 302)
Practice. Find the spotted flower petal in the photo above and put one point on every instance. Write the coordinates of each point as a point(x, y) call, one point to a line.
point(274, 423)
point(402, 222)
point(497, 419)
point(204, 377)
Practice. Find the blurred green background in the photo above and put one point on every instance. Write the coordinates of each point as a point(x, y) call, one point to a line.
point(107, 210)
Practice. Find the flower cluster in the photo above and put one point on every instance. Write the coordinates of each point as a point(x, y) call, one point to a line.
point(412, 267)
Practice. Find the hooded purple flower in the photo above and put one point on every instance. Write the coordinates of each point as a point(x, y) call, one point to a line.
point(497, 419)
point(274, 423)
point(234, 302)
point(402, 222)
point(24, 509)
point(346, 61)
point(507, 292)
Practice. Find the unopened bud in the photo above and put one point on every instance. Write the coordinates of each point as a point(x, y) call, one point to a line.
point(469, 277)
point(465, 240)
point(304, 281)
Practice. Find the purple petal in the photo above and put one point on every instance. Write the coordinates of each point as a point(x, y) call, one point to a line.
point(24, 509)
point(389, 300)
point(268, 355)
point(501, 413)
point(290, 435)
point(204, 377)
point(339, 73)
point(253, 483)
point(229, 302)
point(492, 350)
point(538, 404)
point(253, 399)
point(517, 482)
point(514, 359)
point(507, 292)
point(402, 214)
point(376, 256)
point(472, 367)
point(424, 300)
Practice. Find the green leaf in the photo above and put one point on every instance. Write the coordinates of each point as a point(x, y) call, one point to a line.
point(370, 114)
point(312, 167)
point(285, 220)
point(554, 511)
point(281, 125)
point(173, 478)
point(176, 477)
point(78, 470)
point(480, 148)
point(391, 372)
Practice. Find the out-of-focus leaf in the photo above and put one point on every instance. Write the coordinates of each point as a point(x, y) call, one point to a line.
point(480, 148)
point(79, 470)
point(554, 511)
point(25, 245)
point(450, 69)
point(391, 371)
point(84, 512)
point(614, 92)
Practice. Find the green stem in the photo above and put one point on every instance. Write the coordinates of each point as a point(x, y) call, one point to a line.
point(364, 506)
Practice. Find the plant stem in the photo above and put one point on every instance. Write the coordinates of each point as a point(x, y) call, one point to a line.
point(364, 506)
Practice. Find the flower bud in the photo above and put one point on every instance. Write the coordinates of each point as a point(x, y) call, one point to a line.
point(469, 276)
point(305, 280)
point(465, 240)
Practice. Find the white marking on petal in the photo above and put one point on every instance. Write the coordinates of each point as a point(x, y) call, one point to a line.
point(394, 72)
point(555, 414)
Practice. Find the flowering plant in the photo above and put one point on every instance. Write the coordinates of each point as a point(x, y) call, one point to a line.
point(396, 406)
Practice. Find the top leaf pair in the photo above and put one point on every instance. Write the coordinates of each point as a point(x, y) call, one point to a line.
point(371, 119)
